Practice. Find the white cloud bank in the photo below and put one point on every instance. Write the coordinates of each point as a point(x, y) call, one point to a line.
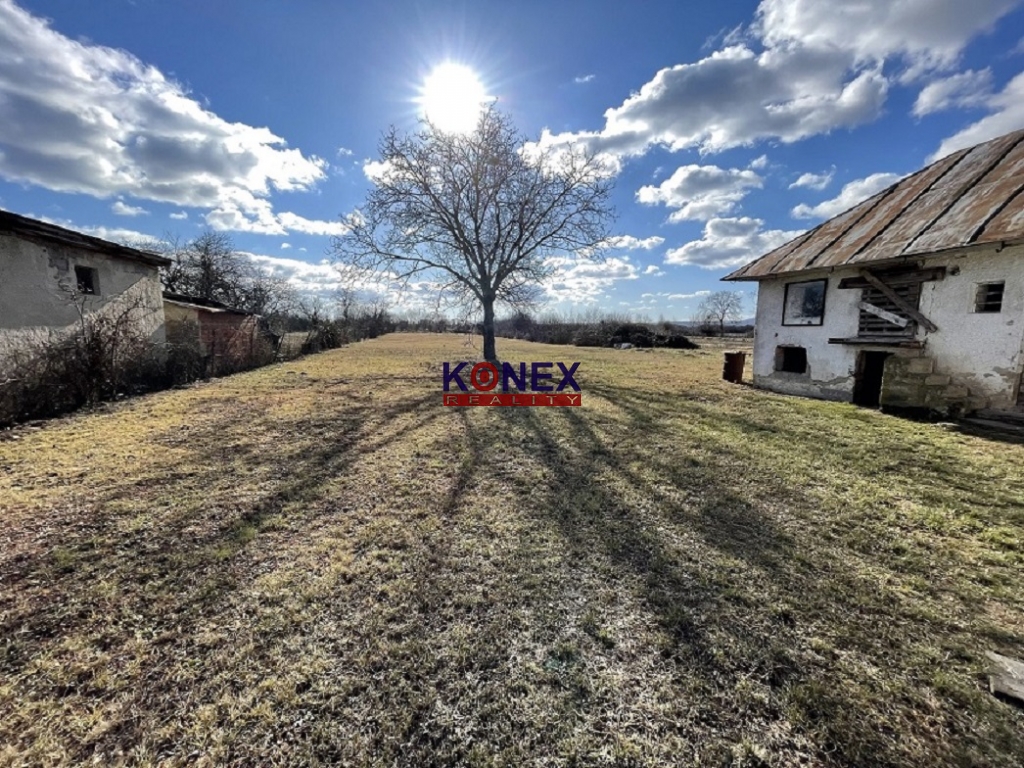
point(816, 181)
point(728, 243)
point(851, 194)
point(805, 67)
point(121, 208)
point(966, 89)
point(1006, 114)
point(86, 118)
point(583, 281)
point(700, 191)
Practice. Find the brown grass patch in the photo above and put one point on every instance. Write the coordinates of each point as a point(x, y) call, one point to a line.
point(317, 564)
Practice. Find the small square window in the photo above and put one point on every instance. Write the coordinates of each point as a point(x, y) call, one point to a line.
point(804, 303)
point(791, 359)
point(87, 280)
point(989, 297)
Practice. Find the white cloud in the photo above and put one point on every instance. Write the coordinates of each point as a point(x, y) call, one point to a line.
point(630, 243)
point(967, 89)
point(85, 118)
point(700, 191)
point(684, 296)
point(123, 209)
point(816, 181)
point(925, 33)
point(759, 163)
point(295, 223)
point(582, 281)
point(375, 170)
point(285, 246)
point(851, 194)
point(1007, 115)
point(344, 152)
point(734, 97)
point(805, 67)
point(584, 79)
point(180, 215)
point(306, 277)
point(729, 243)
point(111, 234)
point(258, 216)
point(654, 269)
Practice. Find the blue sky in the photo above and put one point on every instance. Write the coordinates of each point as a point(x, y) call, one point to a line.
point(733, 126)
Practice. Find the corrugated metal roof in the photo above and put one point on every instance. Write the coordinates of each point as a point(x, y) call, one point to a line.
point(33, 229)
point(971, 197)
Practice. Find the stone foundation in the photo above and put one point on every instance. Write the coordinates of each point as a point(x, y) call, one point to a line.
point(910, 381)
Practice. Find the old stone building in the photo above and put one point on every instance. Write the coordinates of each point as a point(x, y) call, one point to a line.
point(913, 298)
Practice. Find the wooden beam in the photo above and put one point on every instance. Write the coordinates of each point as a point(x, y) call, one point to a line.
point(889, 317)
point(898, 278)
point(879, 341)
point(1007, 676)
point(898, 300)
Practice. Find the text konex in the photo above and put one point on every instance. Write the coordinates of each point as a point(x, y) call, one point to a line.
point(530, 384)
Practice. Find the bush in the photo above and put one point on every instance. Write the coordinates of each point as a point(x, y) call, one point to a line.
point(104, 357)
point(675, 341)
point(633, 333)
point(592, 336)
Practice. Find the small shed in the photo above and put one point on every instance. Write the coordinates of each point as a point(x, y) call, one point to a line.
point(228, 339)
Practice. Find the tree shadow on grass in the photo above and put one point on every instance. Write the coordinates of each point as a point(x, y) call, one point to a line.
point(742, 596)
point(178, 561)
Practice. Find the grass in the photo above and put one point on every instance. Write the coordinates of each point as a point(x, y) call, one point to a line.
point(317, 564)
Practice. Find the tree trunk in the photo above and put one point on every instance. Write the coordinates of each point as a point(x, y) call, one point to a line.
point(490, 354)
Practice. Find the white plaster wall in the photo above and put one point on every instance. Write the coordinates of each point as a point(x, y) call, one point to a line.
point(979, 350)
point(32, 302)
point(830, 366)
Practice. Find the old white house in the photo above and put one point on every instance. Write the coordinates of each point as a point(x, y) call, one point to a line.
point(913, 298)
point(50, 276)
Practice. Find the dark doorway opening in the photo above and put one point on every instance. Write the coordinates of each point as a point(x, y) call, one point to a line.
point(867, 388)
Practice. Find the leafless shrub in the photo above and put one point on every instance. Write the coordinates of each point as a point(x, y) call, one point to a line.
point(103, 356)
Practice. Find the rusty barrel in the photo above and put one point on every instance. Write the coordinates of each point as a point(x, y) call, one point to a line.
point(733, 370)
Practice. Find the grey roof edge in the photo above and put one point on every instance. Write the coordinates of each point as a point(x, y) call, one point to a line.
point(897, 259)
point(34, 229)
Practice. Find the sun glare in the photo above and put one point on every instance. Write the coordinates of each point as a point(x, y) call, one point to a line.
point(452, 97)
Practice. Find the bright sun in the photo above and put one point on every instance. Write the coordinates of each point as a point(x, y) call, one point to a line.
point(452, 97)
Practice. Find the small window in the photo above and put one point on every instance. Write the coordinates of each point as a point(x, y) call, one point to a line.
point(989, 297)
point(804, 303)
point(87, 280)
point(791, 359)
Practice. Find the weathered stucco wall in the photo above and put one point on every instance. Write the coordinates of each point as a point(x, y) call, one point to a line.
point(979, 351)
point(32, 301)
point(830, 367)
point(974, 359)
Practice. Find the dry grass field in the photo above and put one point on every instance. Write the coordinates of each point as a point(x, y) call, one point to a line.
point(318, 564)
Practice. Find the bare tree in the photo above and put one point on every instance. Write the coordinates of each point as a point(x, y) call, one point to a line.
point(477, 213)
point(208, 267)
point(718, 308)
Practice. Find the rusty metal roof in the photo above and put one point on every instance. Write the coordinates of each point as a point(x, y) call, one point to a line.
point(35, 230)
point(971, 197)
